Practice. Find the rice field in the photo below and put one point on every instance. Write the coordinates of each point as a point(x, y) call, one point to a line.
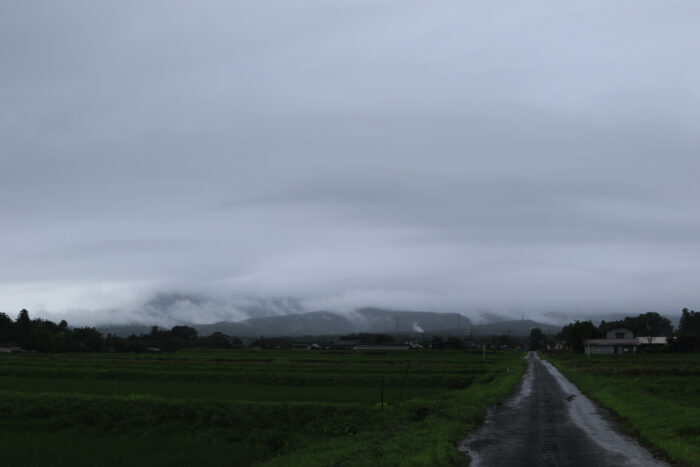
point(245, 407)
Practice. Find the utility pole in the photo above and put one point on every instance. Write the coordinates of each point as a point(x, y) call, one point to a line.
point(381, 407)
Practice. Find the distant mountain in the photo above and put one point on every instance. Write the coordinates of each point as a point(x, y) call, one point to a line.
point(514, 328)
point(180, 307)
point(325, 323)
point(408, 321)
point(312, 323)
point(125, 330)
point(373, 320)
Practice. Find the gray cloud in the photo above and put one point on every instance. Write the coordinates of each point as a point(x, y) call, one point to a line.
point(489, 157)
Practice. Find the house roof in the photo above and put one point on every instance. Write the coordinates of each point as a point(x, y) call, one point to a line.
point(611, 342)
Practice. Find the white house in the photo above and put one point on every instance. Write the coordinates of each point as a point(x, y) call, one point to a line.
point(618, 340)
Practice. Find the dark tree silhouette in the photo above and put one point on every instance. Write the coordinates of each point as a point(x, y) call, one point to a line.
point(648, 325)
point(23, 327)
point(6, 329)
point(575, 333)
point(688, 331)
point(538, 341)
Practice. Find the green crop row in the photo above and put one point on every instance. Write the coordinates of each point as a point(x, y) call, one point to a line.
point(223, 358)
point(299, 378)
point(222, 391)
point(423, 369)
point(266, 429)
point(640, 364)
point(152, 415)
point(425, 361)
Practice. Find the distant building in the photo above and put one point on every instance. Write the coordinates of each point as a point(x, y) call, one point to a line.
point(14, 349)
point(617, 341)
point(346, 343)
point(652, 340)
point(382, 347)
point(305, 346)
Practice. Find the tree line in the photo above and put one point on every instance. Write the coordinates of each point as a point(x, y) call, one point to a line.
point(46, 336)
point(685, 339)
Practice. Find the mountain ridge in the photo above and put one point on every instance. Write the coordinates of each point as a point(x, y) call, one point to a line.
point(372, 320)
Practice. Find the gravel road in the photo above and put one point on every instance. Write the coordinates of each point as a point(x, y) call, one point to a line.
point(548, 422)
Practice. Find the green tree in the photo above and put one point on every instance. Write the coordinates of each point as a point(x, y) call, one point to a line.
point(23, 327)
point(575, 333)
point(87, 339)
point(184, 332)
point(217, 340)
point(42, 336)
point(6, 328)
point(537, 341)
point(690, 323)
point(689, 331)
point(652, 324)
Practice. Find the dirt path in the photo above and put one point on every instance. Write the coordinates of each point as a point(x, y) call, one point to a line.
point(548, 422)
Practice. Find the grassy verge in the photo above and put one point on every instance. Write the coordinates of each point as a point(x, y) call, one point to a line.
point(656, 396)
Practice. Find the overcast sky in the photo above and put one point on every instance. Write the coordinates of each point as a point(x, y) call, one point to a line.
point(536, 157)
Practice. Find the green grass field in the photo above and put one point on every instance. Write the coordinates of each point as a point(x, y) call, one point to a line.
point(244, 407)
point(656, 396)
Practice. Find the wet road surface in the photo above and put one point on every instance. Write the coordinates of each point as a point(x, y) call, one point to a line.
point(548, 422)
